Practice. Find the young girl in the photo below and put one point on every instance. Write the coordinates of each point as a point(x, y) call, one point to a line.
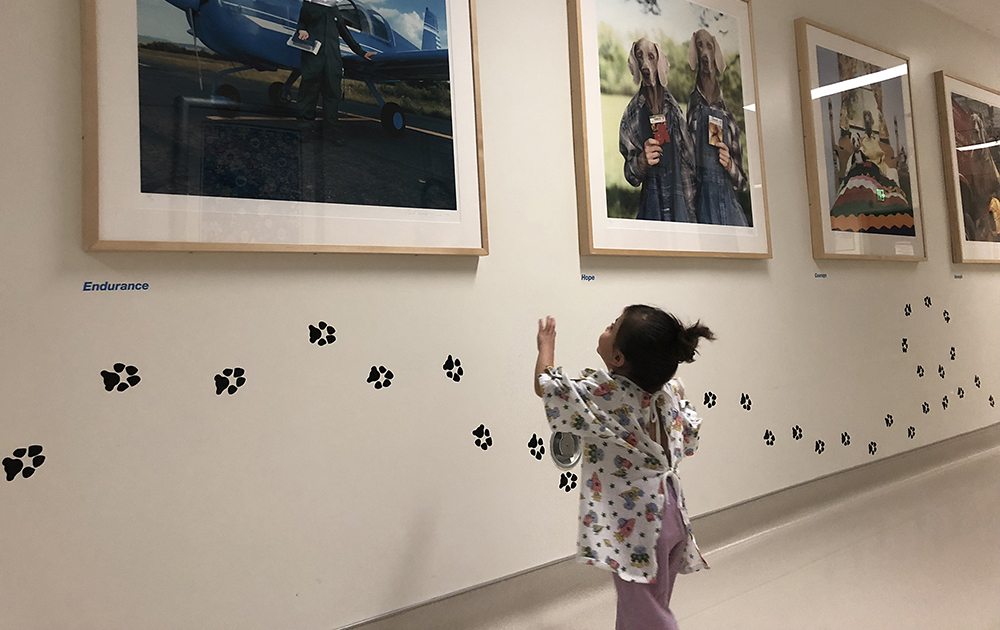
point(636, 426)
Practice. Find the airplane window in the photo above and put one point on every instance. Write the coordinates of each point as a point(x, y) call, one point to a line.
point(379, 27)
point(354, 18)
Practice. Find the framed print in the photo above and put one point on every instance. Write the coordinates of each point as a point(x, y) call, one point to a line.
point(861, 161)
point(667, 129)
point(969, 118)
point(282, 125)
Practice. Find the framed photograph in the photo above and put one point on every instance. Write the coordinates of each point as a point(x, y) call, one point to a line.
point(969, 117)
point(861, 161)
point(667, 129)
point(282, 125)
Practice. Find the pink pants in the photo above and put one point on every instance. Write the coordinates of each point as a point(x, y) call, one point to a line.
point(647, 606)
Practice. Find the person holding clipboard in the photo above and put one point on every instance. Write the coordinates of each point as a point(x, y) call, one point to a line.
point(322, 70)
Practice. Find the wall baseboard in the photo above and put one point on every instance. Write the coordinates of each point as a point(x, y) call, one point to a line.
point(486, 604)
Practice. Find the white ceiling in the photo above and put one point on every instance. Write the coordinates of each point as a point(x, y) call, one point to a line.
point(982, 14)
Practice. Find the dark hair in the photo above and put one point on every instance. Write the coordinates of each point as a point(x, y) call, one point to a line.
point(654, 343)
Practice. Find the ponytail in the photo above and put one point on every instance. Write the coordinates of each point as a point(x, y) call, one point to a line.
point(687, 341)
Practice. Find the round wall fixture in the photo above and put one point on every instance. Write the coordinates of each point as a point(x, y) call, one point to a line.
point(566, 449)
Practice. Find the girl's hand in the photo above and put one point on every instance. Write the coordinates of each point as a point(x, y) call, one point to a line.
point(546, 333)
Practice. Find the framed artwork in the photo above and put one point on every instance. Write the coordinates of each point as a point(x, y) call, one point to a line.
point(969, 118)
point(667, 129)
point(861, 161)
point(282, 125)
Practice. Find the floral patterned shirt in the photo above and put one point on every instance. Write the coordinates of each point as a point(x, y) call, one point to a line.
point(624, 468)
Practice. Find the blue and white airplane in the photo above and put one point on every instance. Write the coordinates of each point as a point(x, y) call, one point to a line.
point(254, 33)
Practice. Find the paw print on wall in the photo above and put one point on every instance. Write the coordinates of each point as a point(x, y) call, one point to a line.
point(960, 392)
point(947, 317)
point(797, 432)
point(907, 310)
point(567, 481)
point(768, 437)
point(993, 403)
point(536, 447)
point(911, 432)
point(926, 408)
point(941, 371)
point(920, 371)
point(978, 384)
point(123, 377)
point(230, 380)
point(906, 345)
point(483, 439)
point(872, 447)
point(953, 353)
point(820, 447)
point(380, 376)
point(944, 403)
point(745, 402)
point(710, 400)
point(927, 301)
point(322, 334)
point(888, 419)
point(845, 438)
point(453, 369)
point(13, 465)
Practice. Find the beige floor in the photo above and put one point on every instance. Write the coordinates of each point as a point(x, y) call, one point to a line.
point(921, 552)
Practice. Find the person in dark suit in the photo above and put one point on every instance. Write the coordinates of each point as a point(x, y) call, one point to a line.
point(322, 72)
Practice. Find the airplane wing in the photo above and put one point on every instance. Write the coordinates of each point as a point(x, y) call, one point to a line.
point(398, 66)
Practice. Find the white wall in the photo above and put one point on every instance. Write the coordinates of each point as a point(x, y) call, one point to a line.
point(310, 500)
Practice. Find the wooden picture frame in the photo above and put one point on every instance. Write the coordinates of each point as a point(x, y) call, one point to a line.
point(969, 146)
point(716, 211)
point(251, 176)
point(864, 190)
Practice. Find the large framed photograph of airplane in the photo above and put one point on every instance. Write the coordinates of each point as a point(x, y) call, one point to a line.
point(861, 159)
point(282, 125)
point(969, 119)
point(667, 129)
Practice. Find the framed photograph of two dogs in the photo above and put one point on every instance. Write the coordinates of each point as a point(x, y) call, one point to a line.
point(667, 131)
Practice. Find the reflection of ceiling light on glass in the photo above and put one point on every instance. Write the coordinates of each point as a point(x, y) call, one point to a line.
point(862, 81)
point(752, 107)
point(985, 145)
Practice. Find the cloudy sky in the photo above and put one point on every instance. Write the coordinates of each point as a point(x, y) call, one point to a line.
point(160, 20)
point(678, 20)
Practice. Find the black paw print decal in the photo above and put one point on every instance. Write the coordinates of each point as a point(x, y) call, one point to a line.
point(567, 481)
point(872, 447)
point(920, 371)
point(941, 371)
point(845, 438)
point(993, 403)
point(380, 376)
point(888, 419)
point(123, 377)
point(797, 432)
point(944, 403)
point(820, 447)
point(745, 402)
point(322, 334)
point(947, 317)
point(978, 384)
point(926, 408)
point(907, 311)
point(453, 369)
point(13, 465)
point(953, 353)
point(960, 392)
point(710, 400)
point(230, 380)
point(483, 439)
point(535, 446)
point(911, 432)
point(906, 346)
point(927, 301)
point(769, 437)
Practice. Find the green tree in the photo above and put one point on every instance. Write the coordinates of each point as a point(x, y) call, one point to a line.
point(612, 62)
